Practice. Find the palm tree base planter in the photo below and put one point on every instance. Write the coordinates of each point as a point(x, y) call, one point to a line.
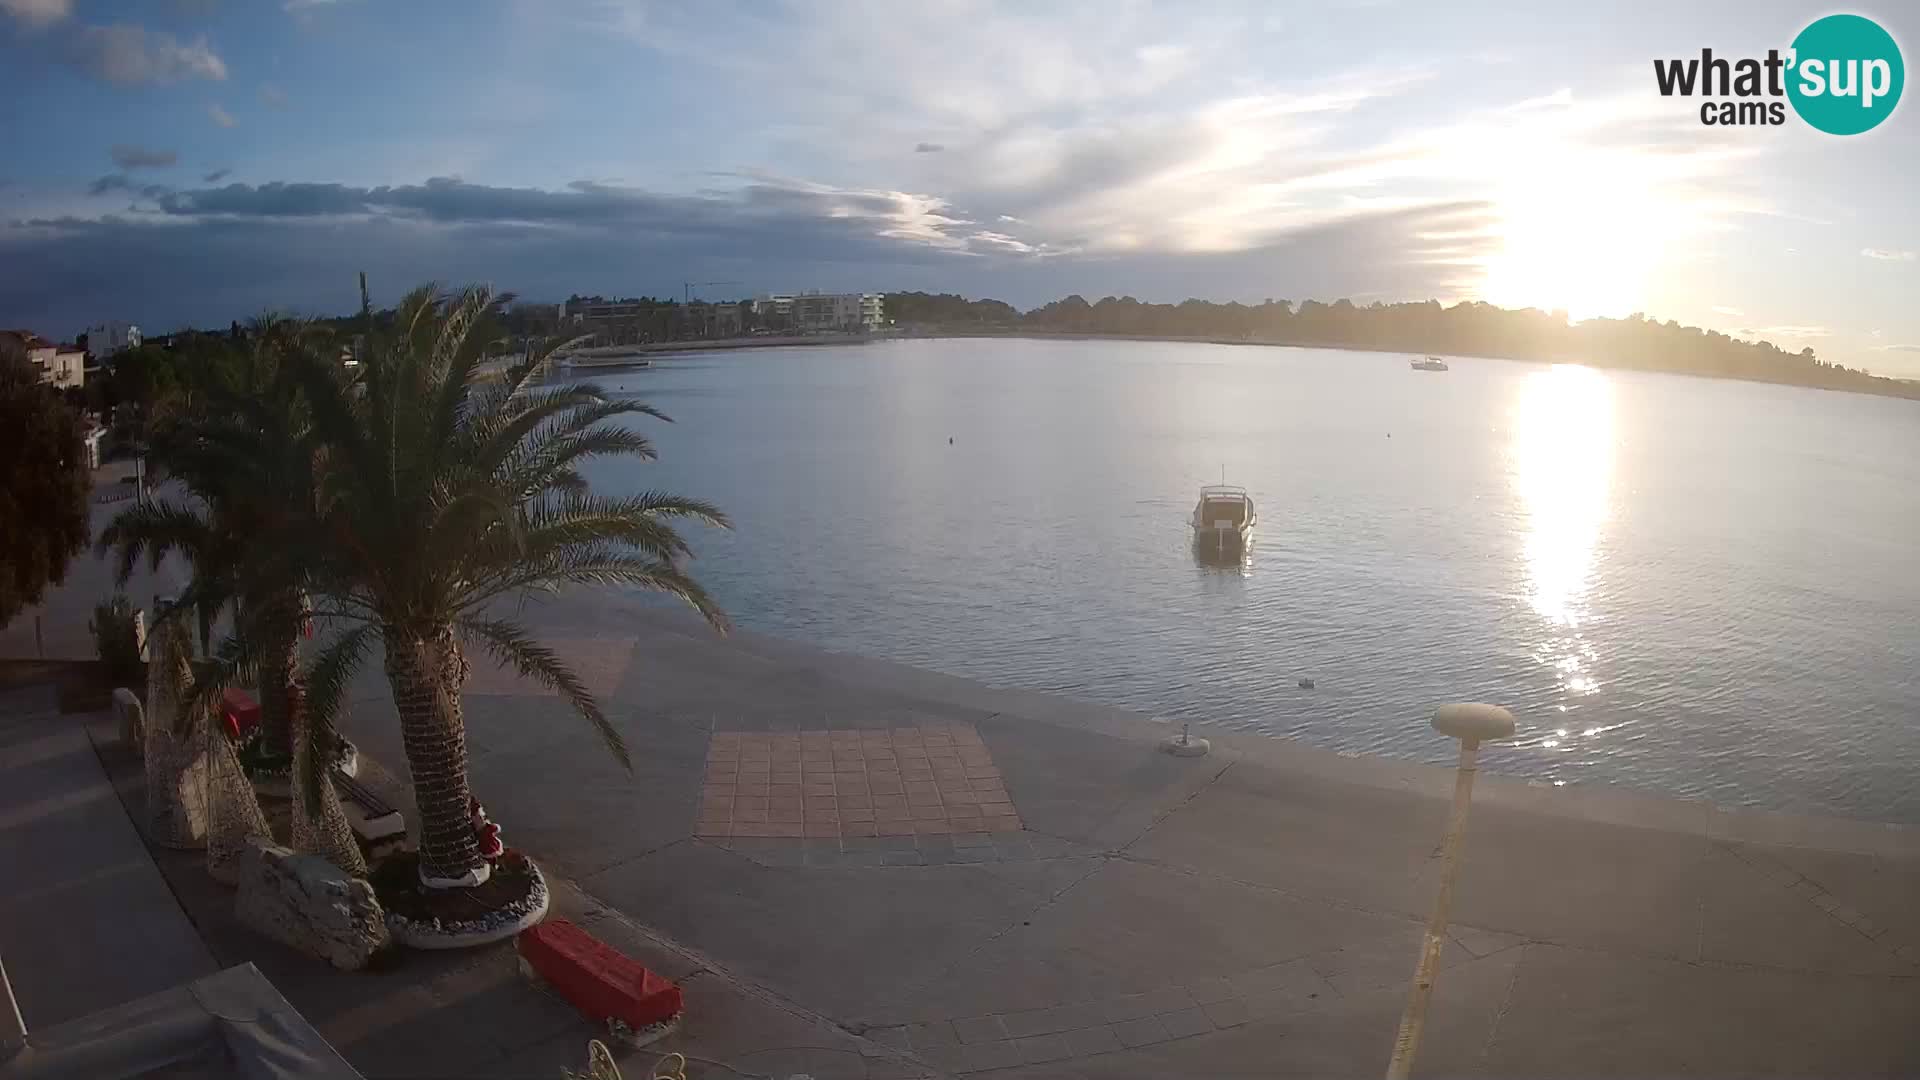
point(513, 897)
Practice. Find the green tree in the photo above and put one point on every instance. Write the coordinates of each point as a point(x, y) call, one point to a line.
point(44, 485)
point(446, 491)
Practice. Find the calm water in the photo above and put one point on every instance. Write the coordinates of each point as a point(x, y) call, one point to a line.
point(1703, 588)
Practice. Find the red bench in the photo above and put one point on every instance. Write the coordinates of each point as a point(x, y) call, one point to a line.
point(242, 713)
point(599, 980)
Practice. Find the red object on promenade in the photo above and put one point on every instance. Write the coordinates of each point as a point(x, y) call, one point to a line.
point(599, 980)
point(242, 713)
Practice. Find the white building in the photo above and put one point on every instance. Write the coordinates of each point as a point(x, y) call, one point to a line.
point(64, 366)
point(822, 311)
point(111, 337)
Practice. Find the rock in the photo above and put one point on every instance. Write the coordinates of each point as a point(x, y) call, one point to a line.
point(130, 719)
point(308, 903)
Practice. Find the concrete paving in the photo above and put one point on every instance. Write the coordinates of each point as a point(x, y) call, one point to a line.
point(1255, 912)
point(86, 921)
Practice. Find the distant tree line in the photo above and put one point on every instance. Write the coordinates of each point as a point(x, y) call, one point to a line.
point(1466, 329)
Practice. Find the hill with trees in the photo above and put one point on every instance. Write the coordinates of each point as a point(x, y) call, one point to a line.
point(1464, 329)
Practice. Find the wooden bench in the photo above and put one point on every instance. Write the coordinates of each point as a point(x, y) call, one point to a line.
point(603, 983)
point(378, 825)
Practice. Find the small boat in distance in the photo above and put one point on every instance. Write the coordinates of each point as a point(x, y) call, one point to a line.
point(1224, 517)
point(1431, 363)
point(606, 357)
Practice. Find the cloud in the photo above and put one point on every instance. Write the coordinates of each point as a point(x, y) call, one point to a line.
point(1888, 256)
point(928, 148)
point(139, 157)
point(898, 216)
point(302, 5)
point(221, 116)
point(1898, 348)
point(122, 182)
point(212, 254)
point(1721, 310)
point(128, 55)
point(37, 13)
point(216, 176)
point(272, 96)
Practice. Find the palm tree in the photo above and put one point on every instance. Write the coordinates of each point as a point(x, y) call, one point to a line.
point(245, 455)
point(449, 487)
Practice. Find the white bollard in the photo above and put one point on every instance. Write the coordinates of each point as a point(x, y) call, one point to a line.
point(1472, 724)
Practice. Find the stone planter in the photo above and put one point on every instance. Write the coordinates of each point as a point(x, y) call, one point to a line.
point(429, 932)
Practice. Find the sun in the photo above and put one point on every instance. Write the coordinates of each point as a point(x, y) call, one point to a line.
point(1579, 233)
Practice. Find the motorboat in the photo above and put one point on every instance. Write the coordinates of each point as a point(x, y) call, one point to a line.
point(1224, 517)
point(1431, 363)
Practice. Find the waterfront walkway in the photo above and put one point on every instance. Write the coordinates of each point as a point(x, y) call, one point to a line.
point(1019, 885)
point(86, 921)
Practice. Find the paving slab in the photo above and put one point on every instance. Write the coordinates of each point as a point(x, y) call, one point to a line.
point(1578, 1012)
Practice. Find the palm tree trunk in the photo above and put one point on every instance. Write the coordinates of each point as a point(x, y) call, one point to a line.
point(319, 821)
point(427, 674)
point(279, 655)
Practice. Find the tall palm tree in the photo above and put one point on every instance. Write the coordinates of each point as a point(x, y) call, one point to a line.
point(449, 487)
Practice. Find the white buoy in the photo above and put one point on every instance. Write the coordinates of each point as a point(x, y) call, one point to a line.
point(1184, 744)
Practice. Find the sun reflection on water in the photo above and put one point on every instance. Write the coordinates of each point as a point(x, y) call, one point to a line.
point(1563, 470)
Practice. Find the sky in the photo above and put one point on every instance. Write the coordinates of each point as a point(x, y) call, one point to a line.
point(189, 162)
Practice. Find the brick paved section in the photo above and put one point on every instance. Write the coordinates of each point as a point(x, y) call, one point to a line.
point(931, 780)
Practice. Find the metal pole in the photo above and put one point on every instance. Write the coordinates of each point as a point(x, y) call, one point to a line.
point(1472, 723)
point(13, 1029)
point(1415, 1018)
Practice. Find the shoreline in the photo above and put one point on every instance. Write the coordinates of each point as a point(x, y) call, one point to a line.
point(731, 344)
point(1595, 803)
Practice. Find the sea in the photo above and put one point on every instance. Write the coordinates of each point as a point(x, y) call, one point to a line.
point(1688, 586)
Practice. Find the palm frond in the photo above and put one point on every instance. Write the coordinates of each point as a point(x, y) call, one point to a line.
point(155, 529)
point(601, 566)
point(235, 662)
point(510, 643)
point(327, 679)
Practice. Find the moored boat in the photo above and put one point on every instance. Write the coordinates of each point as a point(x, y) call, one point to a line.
point(1224, 517)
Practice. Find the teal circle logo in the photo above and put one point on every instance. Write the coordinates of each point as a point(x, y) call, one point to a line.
point(1846, 74)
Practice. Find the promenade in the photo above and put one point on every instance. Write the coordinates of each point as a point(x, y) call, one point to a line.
point(1118, 912)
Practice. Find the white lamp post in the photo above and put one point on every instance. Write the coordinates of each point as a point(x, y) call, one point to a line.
point(1472, 724)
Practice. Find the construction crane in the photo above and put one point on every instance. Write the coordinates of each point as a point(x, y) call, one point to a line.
point(687, 288)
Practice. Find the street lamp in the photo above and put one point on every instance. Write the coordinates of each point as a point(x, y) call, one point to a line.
point(1472, 724)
